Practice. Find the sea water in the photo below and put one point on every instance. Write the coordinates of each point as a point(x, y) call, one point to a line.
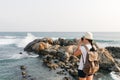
point(12, 43)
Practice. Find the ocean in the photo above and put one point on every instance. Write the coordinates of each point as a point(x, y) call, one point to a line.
point(12, 43)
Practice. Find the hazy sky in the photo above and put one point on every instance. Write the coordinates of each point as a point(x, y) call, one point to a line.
point(60, 15)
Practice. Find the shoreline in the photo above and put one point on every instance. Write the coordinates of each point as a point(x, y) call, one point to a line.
point(59, 52)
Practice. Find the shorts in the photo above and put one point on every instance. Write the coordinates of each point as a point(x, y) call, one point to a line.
point(82, 74)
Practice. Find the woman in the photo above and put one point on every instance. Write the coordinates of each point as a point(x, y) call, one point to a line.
point(87, 41)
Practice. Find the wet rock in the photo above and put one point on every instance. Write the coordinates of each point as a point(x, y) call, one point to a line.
point(61, 64)
point(47, 40)
point(63, 56)
point(71, 49)
point(114, 50)
point(35, 47)
point(28, 48)
point(73, 72)
point(62, 72)
point(52, 66)
point(73, 59)
point(106, 60)
point(66, 78)
point(20, 53)
point(22, 67)
point(24, 74)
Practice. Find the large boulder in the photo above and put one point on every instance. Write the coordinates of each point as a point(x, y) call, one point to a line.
point(47, 40)
point(114, 50)
point(107, 62)
point(28, 47)
point(63, 56)
point(71, 49)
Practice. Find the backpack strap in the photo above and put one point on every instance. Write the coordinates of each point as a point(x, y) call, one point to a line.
point(83, 59)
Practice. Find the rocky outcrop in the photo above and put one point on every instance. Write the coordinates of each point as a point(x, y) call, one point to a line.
point(59, 54)
point(114, 50)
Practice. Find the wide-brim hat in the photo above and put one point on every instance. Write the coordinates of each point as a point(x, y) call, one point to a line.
point(88, 35)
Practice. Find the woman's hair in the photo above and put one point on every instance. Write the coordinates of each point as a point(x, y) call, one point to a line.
point(91, 42)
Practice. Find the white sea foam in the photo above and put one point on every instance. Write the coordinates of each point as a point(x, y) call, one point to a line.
point(23, 55)
point(26, 40)
point(7, 40)
point(115, 76)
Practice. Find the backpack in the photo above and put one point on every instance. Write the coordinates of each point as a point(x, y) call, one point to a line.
point(91, 66)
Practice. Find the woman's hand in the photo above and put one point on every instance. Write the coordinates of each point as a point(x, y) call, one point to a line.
point(80, 43)
point(78, 51)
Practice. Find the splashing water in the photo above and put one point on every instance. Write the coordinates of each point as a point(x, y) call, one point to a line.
point(26, 40)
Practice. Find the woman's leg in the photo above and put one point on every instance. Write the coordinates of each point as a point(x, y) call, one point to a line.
point(82, 78)
point(89, 77)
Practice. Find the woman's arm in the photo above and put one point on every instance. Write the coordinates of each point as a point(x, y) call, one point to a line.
point(78, 51)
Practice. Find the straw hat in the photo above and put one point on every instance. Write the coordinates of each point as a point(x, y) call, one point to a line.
point(88, 35)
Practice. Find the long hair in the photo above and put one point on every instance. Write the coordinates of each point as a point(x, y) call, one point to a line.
point(91, 42)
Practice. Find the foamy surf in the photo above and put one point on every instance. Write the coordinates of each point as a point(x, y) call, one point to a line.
point(26, 40)
point(23, 55)
point(115, 76)
point(7, 41)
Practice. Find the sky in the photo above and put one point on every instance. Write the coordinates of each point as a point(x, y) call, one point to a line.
point(60, 15)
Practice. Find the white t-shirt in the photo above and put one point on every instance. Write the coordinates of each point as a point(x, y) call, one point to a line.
point(84, 53)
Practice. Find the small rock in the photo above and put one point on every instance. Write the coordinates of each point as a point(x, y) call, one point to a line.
point(22, 67)
point(66, 78)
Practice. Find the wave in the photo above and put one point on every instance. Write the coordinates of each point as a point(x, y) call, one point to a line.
point(8, 37)
point(23, 55)
point(22, 42)
point(26, 40)
point(20, 56)
point(104, 41)
point(7, 41)
point(19, 42)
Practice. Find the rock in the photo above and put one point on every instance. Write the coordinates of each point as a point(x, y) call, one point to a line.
point(56, 42)
point(22, 67)
point(47, 40)
point(73, 59)
point(51, 51)
point(62, 72)
point(43, 46)
point(20, 53)
point(106, 60)
point(71, 49)
point(66, 78)
point(55, 47)
point(61, 64)
point(63, 56)
point(62, 42)
point(35, 47)
point(114, 50)
point(24, 74)
point(28, 48)
point(43, 43)
point(73, 72)
point(52, 66)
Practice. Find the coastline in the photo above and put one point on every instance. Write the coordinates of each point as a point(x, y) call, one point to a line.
point(48, 48)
